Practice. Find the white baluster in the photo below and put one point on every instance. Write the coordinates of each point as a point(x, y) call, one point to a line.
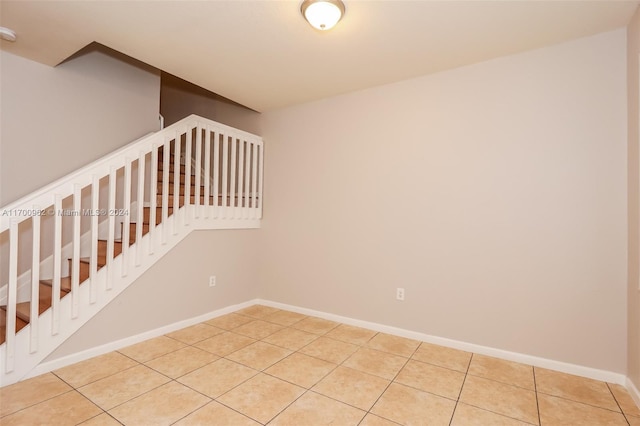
point(232, 173)
point(75, 261)
point(176, 182)
point(112, 227)
point(260, 178)
point(240, 192)
point(225, 174)
point(187, 175)
point(126, 223)
point(254, 183)
point(198, 171)
point(12, 296)
point(207, 171)
point(34, 315)
point(166, 153)
point(93, 262)
point(153, 196)
point(247, 181)
point(57, 264)
point(140, 203)
point(216, 174)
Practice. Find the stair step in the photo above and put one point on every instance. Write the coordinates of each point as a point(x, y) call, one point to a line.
point(181, 200)
point(132, 231)
point(183, 178)
point(102, 248)
point(181, 188)
point(172, 156)
point(20, 324)
point(85, 267)
point(65, 285)
point(146, 215)
point(23, 311)
point(171, 168)
point(102, 260)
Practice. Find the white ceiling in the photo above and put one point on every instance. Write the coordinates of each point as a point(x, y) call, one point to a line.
point(263, 54)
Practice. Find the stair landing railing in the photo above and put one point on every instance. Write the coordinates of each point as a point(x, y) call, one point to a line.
point(208, 171)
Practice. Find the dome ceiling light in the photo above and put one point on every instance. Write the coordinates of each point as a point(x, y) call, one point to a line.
point(7, 34)
point(322, 14)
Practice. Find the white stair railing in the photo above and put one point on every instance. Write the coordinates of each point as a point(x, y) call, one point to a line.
point(56, 236)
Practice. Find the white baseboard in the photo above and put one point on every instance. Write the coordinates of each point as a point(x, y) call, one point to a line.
point(578, 370)
point(55, 364)
point(564, 367)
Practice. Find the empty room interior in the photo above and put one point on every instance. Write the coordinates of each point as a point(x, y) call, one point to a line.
point(227, 212)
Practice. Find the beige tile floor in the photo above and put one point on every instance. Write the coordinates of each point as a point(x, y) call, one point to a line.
point(262, 365)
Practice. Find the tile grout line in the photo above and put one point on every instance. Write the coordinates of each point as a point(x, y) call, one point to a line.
point(306, 390)
point(535, 388)
point(466, 373)
point(76, 389)
point(258, 372)
point(215, 399)
point(392, 380)
point(618, 404)
point(581, 403)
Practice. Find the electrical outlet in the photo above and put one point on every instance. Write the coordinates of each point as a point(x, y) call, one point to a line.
point(400, 293)
point(212, 281)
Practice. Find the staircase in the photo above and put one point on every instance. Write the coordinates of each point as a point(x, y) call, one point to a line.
point(23, 309)
point(92, 233)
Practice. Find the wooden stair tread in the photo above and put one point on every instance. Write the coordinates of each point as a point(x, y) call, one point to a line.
point(20, 324)
point(103, 245)
point(192, 181)
point(183, 168)
point(23, 310)
point(65, 284)
point(102, 260)
point(133, 232)
point(181, 189)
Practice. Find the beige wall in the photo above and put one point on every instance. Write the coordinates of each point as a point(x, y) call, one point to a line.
point(180, 99)
point(633, 191)
point(55, 120)
point(495, 194)
point(176, 288)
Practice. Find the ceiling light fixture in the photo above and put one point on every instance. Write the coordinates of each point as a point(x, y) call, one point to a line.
point(322, 14)
point(7, 34)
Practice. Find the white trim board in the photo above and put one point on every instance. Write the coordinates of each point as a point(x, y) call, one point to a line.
point(578, 370)
point(48, 366)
